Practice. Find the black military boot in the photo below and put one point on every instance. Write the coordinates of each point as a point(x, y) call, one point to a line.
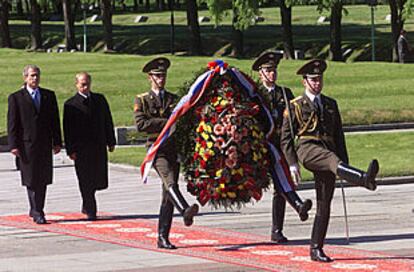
point(164, 226)
point(278, 216)
point(182, 206)
point(317, 254)
point(301, 207)
point(320, 227)
point(358, 177)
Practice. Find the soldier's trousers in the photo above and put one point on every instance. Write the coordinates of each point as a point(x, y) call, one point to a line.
point(318, 158)
point(324, 186)
point(168, 169)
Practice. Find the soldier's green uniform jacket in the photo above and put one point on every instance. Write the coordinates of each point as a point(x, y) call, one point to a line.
point(151, 115)
point(276, 104)
point(311, 128)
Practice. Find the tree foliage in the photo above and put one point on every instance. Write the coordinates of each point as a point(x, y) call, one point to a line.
point(245, 11)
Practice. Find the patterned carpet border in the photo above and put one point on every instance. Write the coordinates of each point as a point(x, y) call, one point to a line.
point(214, 244)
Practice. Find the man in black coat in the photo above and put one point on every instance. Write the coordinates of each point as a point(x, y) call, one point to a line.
point(403, 47)
point(33, 132)
point(89, 131)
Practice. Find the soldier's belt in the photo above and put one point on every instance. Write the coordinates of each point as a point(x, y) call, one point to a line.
point(316, 137)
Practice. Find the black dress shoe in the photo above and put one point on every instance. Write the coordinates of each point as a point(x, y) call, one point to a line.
point(164, 243)
point(278, 237)
point(318, 255)
point(40, 220)
point(189, 214)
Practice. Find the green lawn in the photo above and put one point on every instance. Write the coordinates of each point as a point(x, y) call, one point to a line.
point(366, 92)
point(153, 36)
point(393, 151)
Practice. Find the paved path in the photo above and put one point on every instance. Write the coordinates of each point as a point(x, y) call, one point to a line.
point(379, 221)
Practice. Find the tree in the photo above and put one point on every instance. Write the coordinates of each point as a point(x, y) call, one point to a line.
point(19, 7)
point(36, 22)
point(69, 18)
point(287, 36)
point(4, 24)
point(194, 28)
point(106, 12)
point(244, 13)
point(335, 41)
point(400, 11)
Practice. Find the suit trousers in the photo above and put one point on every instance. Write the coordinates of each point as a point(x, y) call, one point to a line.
point(88, 198)
point(36, 200)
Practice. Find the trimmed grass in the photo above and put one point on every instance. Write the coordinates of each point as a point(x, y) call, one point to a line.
point(393, 151)
point(366, 92)
point(153, 36)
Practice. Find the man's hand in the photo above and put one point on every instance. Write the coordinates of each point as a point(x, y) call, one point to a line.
point(15, 152)
point(56, 149)
point(72, 156)
point(295, 174)
point(111, 148)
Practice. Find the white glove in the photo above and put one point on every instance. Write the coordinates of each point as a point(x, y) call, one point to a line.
point(295, 174)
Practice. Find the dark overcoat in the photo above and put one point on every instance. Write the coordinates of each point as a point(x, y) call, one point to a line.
point(88, 130)
point(34, 133)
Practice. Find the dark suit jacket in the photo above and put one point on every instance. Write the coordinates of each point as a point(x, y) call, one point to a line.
point(34, 134)
point(88, 130)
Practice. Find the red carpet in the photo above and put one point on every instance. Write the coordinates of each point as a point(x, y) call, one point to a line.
point(214, 244)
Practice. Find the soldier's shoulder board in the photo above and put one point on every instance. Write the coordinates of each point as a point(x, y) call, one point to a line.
point(142, 95)
point(139, 100)
point(296, 99)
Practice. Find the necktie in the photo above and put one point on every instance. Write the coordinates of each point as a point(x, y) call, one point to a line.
point(317, 104)
point(36, 99)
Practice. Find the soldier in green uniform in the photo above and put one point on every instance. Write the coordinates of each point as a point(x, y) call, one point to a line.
point(320, 147)
point(275, 98)
point(151, 112)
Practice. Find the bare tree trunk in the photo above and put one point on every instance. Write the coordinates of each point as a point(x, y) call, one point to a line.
point(36, 21)
point(237, 41)
point(397, 24)
point(147, 5)
point(26, 4)
point(19, 7)
point(160, 5)
point(4, 24)
point(136, 5)
point(106, 12)
point(286, 15)
point(70, 39)
point(335, 51)
point(193, 27)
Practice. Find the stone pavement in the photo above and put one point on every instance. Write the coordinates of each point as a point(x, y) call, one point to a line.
point(379, 221)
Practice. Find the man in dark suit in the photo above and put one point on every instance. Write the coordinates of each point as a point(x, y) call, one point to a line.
point(151, 111)
point(275, 99)
point(403, 47)
point(89, 132)
point(320, 147)
point(33, 133)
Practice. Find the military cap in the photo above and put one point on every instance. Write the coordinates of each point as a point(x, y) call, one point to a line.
point(267, 60)
point(313, 68)
point(157, 66)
